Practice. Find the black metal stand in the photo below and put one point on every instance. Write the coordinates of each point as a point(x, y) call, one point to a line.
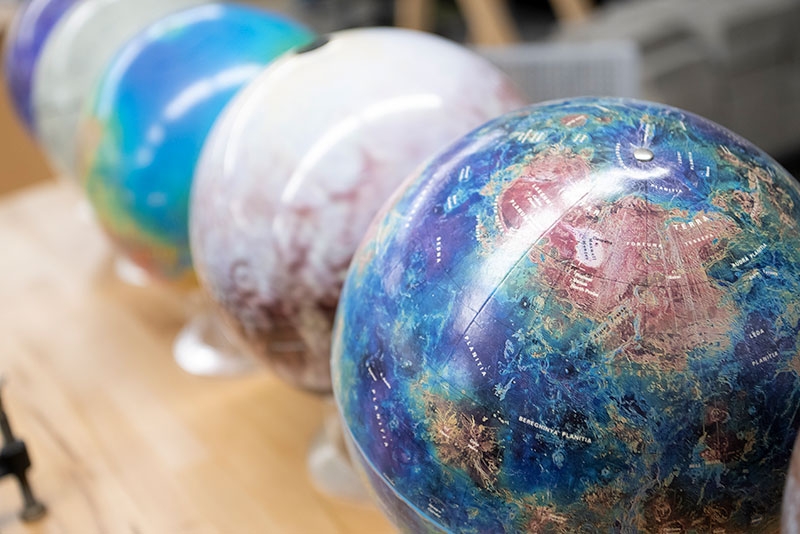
point(14, 460)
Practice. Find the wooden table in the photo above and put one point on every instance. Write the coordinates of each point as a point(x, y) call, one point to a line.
point(121, 439)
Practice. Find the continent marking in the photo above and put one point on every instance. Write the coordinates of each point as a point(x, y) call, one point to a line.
point(753, 275)
point(580, 282)
point(675, 190)
point(474, 355)
point(755, 333)
point(452, 201)
point(691, 224)
point(767, 357)
point(697, 240)
point(744, 259)
point(384, 436)
point(542, 195)
point(529, 135)
point(555, 432)
point(604, 328)
point(643, 244)
point(434, 510)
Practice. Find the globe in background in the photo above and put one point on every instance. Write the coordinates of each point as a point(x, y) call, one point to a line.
point(74, 58)
point(143, 129)
point(302, 159)
point(581, 317)
point(25, 38)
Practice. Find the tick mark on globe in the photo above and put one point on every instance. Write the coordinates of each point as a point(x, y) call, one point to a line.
point(643, 154)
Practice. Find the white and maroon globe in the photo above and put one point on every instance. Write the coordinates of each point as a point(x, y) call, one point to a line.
point(303, 158)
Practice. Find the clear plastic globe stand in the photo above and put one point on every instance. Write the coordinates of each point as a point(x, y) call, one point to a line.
point(204, 347)
point(130, 273)
point(124, 269)
point(329, 465)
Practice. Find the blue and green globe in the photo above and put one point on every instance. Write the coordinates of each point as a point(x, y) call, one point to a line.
point(581, 317)
point(143, 129)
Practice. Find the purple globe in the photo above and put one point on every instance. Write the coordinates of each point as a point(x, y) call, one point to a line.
point(29, 31)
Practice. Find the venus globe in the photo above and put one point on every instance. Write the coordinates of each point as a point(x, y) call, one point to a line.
point(581, 317)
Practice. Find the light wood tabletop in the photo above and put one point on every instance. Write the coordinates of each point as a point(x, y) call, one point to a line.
point(121, 439)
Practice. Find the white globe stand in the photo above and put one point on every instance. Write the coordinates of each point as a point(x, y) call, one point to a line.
point(204, 348)
point(329, 465)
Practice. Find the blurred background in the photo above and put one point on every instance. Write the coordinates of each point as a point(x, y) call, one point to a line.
point(734, 61)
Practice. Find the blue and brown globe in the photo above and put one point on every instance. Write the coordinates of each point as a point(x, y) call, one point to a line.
point(581, 317)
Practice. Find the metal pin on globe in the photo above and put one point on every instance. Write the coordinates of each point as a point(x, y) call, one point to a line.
point(643, 154)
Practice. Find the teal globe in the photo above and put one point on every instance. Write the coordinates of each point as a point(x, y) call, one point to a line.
point(581, 317)
point(143, 129)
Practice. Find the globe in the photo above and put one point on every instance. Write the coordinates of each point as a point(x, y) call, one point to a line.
point(30, 28)
point(72, 61)
point(143, 130)
point(300, 162)
point(581, 317)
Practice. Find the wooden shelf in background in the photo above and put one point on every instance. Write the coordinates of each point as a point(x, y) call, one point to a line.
point(121, 439)
point(489, 22)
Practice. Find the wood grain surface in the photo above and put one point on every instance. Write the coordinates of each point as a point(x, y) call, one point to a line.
point(121, 439)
